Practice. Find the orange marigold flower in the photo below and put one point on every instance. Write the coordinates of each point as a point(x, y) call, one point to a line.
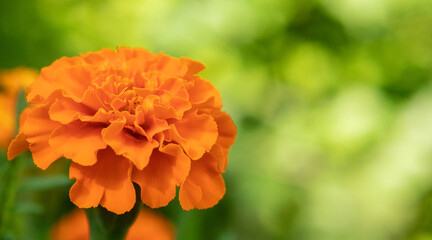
point(147, 226)
point(129, 116)
point(11, 82)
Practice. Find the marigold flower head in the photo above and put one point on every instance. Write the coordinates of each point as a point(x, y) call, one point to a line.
point(129, 116)
point(11, 82)
point(147, 226)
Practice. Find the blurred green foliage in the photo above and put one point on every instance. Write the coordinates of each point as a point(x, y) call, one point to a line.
point(332, 100)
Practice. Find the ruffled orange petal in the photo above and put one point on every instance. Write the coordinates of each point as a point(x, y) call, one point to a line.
point(41, 88)
point(203, 94)
point(174, 94)
point(226, 128)
point(134, 147)
point(204, 187)
point(195, 133)
point(85, 135)
point(37, 128)
point(147, 124)
point(167, 168)
point(106, 183)
point(221, 155)
point(140, 53)
point(227, 132)
point(190, 194)
point(73, 80)
point(101, 58)
point(92, 100)
point(174, 86)
point(180, 105)
point(66, 110)
point(193, 67)
point(46, 84)
point(169, 66)
point(18, 145)
point(84, 193)
point(101, 116)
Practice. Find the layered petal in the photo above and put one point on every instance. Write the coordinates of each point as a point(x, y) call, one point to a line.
point(41, 88)
point(204, 187)
point(168, 168)
point(226, 129)
point(148, 124)
point(86, 135)
point(169, 66)
point(18, 145)
point(203, 94)
point(108, 183)
point(49, 80)
point(37, 128)
point(220, 153)
point(101, 58)
point(193, 67)
point(73, 80)
point(195, 133)
point(65, 110)
point(132, 146)
point(226, 136)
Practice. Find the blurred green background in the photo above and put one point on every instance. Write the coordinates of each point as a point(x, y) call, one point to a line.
point(332, 100)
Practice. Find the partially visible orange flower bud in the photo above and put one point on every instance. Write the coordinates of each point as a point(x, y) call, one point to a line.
point(129, 116)
point(11, 82)
point(147, 226)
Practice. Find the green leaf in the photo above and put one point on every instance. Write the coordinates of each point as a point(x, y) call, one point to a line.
point(45, 182)
point(29, 208)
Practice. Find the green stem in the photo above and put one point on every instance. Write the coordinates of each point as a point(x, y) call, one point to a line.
point(9, 195)
point(105, 225)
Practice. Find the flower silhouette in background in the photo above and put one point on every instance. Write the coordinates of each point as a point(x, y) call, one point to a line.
point(11, 83)
point(129, 116)
point(147, 226)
